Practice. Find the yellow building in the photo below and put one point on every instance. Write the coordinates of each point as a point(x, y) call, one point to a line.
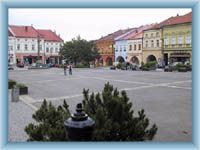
point(177, 36)
point(152, 45)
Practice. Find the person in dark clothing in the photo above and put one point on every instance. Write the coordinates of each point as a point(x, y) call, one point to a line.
point(65, 68)
point(70, 69)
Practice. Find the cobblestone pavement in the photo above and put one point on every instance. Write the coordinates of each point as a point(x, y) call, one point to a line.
point(165, 96)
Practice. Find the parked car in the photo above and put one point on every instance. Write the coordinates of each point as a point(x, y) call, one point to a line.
point(112, 68)
point(20, 65)
point(10, 67)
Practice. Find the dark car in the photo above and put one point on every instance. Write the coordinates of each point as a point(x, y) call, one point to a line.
point(20, 65)
point(10, 67)
point(112, 68)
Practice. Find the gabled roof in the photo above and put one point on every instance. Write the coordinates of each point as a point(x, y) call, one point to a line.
point(137, 32)
point(9, 33)
point(121, 37)
point(112, 36)
point(49, 35)
point(187, 18)
point(24, 31)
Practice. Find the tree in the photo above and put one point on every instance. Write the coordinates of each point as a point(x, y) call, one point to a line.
point(114, 117)
point(49, 125)
point(111, 110)
point(79, 50)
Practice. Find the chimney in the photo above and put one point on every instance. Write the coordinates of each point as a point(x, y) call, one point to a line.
point(59, 35)
point(31, 25)
point(26, 28)
point(177, 15)
point(55, 31)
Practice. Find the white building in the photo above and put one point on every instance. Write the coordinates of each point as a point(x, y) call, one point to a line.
point(24, 42)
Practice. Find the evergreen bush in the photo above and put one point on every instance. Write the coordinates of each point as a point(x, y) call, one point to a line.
point(113, 114)
point(114, 117)
point(11, 83)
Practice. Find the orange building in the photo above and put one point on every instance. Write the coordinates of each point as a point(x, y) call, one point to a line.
point(105, 46)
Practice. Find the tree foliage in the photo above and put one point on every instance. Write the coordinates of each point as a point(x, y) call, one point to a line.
point(113, 114)
point(49, 125)
point(115, 119)
point(79, 50)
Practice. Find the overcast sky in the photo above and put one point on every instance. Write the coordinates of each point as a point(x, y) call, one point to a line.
point(90, 24)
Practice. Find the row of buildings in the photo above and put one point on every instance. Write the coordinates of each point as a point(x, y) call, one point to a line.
point(165, 42)
point(27, 44)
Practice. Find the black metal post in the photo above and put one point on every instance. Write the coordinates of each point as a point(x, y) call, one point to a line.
point(79, 126)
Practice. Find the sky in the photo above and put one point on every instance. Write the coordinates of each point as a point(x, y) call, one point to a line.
point(90, 24)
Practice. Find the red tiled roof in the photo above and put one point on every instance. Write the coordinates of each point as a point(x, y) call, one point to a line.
point(49, 35)
point(24, 31)
point(137, 32)
point(174, 20)
point(9, 33)
point(112, 36)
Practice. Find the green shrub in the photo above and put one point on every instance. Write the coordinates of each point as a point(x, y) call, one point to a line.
point(113, 114)
point(49, 125)
point(114, 117)
point(20, 85)
point(82, 65)
point(11, 83)
point(119, 66)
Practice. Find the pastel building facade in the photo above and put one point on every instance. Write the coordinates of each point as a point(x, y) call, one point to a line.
point(152, 45)
point(120, 51)
point(106, 48)
point(135, 45)
point(177, 36)
point(121, 45)
point(26, 43)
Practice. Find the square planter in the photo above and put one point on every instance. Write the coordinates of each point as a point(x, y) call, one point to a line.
point(23, 90)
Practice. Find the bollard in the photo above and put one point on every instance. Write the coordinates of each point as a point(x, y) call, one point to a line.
point(79, 126)
point(15, 94)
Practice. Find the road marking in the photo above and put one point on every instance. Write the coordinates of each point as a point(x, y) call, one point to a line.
point(123, 89)
point(28, 101)
point(125, 81)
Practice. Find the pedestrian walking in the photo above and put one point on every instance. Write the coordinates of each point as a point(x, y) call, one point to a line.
point(65, 69)
point(70, 69)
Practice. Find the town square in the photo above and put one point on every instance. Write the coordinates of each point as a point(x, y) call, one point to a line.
point(129, 84)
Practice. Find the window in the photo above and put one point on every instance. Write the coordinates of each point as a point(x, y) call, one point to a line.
point(18, 47)
point(166, 39)
point(51, 50)
point(152, 43)
point(47, 49)
point(56, 49)
point(25, 39)
point(157, 34)
point(180, 38)
point(116, 50)
point(130, 47)
point(157, 43)
point(124, 48)
point(151, 34)
point(40, 47)
point(139, 48)
point(135, 47)
point(25, 47)
point(173, 39)
point(188, 39)
point(120, 48)
point(146, 35)
point(33, 47)
point(146, 43)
